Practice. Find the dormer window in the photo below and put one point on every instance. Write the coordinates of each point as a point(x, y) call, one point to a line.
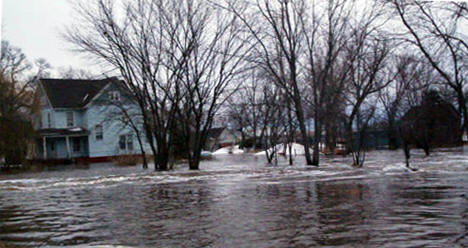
point(69, 119)
point(114, 96)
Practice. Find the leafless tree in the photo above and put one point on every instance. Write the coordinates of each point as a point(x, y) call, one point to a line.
point(244, 108)
point(344, 54)
point(124, 112)
point(392, 97)
point(74, 73)
point(208, 79)
point(140, 45)
point(412, 77)
point(177, 68)
point(18, 103)
point(13, 61)
point(274, 122)
point(326, 33)
point(369, 75)
point(414, 126)
point(277, 30)
point(253, 95)
point(434, 29)
point(238, 112)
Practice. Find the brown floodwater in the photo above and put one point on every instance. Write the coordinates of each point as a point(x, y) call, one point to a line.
point(240, 201)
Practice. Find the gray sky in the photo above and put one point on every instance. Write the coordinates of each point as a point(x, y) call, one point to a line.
point(34, 26)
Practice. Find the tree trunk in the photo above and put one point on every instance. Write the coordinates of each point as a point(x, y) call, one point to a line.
point(194, 162)
point(162, 157)
point(269, 156)
point(254, 136)
point(290, 154)
point(302, 127)
point(392, 136)
point(153, 150)
point(464, 113)
point(143, 153)
point(242, 139)
point(349, 134)
point(406, 149)
point(317, 138)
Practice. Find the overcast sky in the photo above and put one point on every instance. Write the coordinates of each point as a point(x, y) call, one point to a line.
point(34, 26)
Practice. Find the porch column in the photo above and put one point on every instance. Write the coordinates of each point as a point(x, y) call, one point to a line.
point(67, 139)
point(44, 148)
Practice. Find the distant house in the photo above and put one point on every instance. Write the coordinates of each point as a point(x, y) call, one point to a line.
point(78, 120)
point(221, 137)
point(434, 123)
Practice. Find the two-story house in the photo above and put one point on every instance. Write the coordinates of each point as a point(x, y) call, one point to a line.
point(82, 119)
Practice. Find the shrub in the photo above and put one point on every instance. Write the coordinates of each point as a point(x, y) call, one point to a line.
point(127, 160)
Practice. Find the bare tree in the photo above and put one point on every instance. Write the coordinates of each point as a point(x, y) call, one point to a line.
point(124, 112)
point(238, 112)
point(412, 77)
point(244, 108)
point(368, 76)
point(276, 28)
point(140, 45)
point(215, 62)
point(18, 103)
point(341, 39)
point(74, 73)
point(326, 34)
point(414, 125)
point(274, 123)
point(434, 29)
point(177, 68)
point(392, 97)
point(13, 62)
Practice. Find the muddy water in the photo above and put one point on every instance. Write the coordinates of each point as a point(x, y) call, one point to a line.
point(239, 201)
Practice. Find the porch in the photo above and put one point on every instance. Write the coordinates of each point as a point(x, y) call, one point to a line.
point(56, 144)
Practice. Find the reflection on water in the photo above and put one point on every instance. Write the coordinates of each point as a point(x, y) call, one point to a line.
point(238, 201)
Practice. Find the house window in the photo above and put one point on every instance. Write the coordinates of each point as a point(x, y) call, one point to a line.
point(99, 133)
point(48, 120)
point(129, 142)
point(122, 142)
point(114, 96)
point(76, 145)
point(126, 142)
point(69, 119)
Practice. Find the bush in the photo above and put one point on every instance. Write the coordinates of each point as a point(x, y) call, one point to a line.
point(15, 137)
point(127, 160)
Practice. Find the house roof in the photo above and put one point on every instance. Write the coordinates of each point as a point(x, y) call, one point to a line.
point(214, 133)
point(439, 110)
point(72, 93)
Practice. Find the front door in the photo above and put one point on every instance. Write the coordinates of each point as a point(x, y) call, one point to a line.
point(76, 147)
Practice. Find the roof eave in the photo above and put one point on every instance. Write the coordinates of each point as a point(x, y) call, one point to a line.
point(45, 93)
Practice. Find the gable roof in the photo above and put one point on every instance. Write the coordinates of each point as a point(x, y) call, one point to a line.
point(72, 93)
point(443, 110)
point(214, 133)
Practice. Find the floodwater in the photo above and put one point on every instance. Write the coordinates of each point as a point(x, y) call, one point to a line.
point(239, 201)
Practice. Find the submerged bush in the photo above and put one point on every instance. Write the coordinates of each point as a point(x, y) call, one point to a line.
point(127, 160)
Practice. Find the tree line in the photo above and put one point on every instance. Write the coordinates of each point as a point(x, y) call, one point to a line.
point(274, 66)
